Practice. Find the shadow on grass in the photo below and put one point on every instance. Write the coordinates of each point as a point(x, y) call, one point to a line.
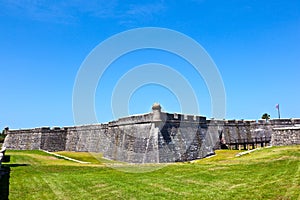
point(15, 165)
point(4, 179)
point(4, 182)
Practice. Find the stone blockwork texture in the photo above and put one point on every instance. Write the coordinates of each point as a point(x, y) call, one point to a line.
point(38, 138)
point(154, 137)
point(240, 130)
point(117, 141)
point(286, 136)
point(248, 130)
point(182, 138)
point(135, 139)
point(53, 139)
point(28, 139)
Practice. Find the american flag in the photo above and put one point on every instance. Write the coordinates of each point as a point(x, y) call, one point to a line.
point(277, 106)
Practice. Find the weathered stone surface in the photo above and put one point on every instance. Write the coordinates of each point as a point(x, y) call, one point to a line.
point(286, 136)
point(154, 137)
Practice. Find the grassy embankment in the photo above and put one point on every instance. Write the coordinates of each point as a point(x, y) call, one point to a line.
point(272, 173)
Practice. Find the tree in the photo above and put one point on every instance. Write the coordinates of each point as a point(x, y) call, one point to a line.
point(265, 116)
point(3, 134)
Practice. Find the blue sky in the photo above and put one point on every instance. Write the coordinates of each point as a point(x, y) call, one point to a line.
point(255, 45)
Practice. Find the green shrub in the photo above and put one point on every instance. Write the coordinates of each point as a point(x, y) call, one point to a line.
point(2, 137)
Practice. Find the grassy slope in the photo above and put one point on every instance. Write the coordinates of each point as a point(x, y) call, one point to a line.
point(272, 173)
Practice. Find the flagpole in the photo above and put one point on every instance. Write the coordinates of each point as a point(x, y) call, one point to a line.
point(277, 106)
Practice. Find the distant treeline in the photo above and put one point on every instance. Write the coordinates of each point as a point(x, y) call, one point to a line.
point(2, 137)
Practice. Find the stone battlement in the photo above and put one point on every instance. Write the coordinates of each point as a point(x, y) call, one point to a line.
point(156, 137)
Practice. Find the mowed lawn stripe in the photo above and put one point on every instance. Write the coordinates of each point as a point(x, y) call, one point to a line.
point(264, 174)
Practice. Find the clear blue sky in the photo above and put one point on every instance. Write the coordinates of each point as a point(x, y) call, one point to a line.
point(255, 45)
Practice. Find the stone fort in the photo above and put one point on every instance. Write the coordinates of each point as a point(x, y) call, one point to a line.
point(158, 137)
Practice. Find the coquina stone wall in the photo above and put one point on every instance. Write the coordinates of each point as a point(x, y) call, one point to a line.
point(155, 137)
point(38, 138)
point(286, 136)
point(183, 137)
point(231, 131)
point(149, 138)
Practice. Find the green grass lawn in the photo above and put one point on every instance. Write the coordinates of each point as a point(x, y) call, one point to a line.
point(272, 173)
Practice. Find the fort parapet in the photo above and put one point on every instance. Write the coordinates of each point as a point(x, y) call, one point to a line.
point(158, 137)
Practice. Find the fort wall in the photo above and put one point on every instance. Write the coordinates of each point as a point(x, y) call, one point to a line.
point(286, 136)
point(157, 137)
point(38, 138)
